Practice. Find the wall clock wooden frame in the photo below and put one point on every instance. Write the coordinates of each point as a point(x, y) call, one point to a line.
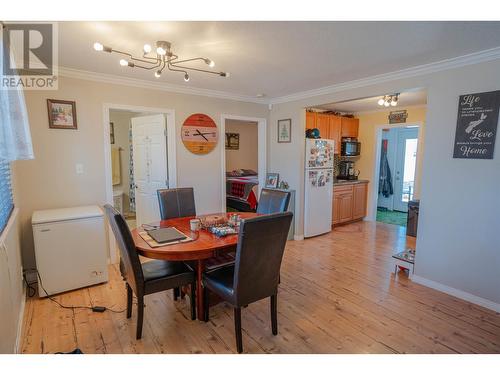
point(199, 134)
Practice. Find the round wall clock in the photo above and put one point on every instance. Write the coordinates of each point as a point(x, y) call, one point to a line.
point(199, 134)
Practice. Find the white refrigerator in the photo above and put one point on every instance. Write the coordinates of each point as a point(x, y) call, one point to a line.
point(318, 186)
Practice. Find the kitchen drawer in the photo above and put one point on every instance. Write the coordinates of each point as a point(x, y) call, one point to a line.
point(342, 188)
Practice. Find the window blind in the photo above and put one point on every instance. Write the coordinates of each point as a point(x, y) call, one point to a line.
point(6, 204)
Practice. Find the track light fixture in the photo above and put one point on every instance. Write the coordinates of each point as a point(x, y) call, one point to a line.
point(389, 100)
point(161, 58)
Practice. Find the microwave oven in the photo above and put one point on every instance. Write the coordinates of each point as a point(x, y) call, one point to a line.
point(350, 147)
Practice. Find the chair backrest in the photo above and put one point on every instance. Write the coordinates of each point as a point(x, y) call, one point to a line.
point(273, 201)
point(176, 203)
point(261, 244)
point(130, 265)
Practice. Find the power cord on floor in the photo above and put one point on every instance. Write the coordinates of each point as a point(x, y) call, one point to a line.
point(32, 292)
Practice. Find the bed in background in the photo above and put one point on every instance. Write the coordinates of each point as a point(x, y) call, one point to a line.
point(241, 190)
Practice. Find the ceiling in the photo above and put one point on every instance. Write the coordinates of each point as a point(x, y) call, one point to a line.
point(276, 58)
point(406, 99)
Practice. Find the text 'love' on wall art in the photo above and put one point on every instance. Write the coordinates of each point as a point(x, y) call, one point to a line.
point(477, 125)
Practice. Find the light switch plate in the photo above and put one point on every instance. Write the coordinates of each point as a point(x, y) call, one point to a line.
point(79, 168)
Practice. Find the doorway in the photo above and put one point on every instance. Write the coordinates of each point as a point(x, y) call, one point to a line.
point(139, 160)
point(259, 151)
point(242, 165)
point(397, 166)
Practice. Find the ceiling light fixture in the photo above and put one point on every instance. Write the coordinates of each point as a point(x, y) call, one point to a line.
point(389, 100)
point(164, 58)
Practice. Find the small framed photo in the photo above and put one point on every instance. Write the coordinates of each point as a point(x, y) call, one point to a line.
point(62, 114)
point(112, 133)
point(285, 131)
point(232, 141)
point(272, 180)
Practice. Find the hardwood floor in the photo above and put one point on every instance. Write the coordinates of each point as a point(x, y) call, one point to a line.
point(337, 295)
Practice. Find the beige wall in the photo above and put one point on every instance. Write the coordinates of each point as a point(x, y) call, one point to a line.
point(247, 155)
point(368, 121)
point(50, 180)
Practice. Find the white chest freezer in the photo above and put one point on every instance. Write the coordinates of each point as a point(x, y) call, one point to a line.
point(70, 248)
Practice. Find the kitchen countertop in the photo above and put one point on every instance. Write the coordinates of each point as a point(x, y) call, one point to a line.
point(348, 182)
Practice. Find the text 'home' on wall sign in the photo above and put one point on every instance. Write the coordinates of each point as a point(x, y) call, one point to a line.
point(477, 125)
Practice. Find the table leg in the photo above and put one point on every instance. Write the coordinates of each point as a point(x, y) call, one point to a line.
point(200, 266)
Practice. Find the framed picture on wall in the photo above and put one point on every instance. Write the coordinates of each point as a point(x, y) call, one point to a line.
point(62, 114)
point(232, 141)
point(272, 180)
point(112, 133)
point(285, 131)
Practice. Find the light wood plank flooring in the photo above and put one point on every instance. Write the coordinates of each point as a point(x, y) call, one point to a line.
point(337, 295)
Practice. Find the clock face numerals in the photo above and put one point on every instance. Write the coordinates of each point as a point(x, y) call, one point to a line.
point(199, 134)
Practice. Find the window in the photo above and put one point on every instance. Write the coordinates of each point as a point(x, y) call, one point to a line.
point(6, 203)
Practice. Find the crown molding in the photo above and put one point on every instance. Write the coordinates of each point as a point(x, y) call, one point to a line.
point(455, 62)
point(162, 86)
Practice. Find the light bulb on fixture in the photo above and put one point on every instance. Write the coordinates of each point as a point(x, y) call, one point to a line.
point(158, 74)
point(186, 77)
point(386, 104)
point(394, 102)
point(98, 46)
point(123, 62)
point(147, 48)
point(210, 63)
point(381, 101)
point(161, 51)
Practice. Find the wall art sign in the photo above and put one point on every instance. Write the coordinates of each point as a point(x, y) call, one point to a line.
point(232, 141)
point(398, 117)
point(285, 131)
point(477, 125)
point(62, 114)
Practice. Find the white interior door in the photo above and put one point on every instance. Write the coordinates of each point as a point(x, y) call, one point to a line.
point(406, 161)
point(149, 142)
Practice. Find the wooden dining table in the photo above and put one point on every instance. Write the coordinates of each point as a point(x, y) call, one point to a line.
point(204, 246)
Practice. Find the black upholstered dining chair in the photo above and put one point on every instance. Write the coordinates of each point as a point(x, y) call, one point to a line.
point(176, 203)
point(147, 278)
point(255, 273)
point(272, 201)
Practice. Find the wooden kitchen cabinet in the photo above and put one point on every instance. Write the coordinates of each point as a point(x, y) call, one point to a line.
point(310, 120)
point(323, 125)
point(335, 128)
point(350, 127)
point(349, 202)
point(359, 192)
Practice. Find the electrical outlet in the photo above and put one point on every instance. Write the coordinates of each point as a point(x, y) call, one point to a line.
point(79, 168)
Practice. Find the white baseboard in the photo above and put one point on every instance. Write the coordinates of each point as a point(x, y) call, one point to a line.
point(457, 293)
point(298, 237)
point(20, 323)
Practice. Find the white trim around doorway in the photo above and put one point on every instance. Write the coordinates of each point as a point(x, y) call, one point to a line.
point(262, 150)
point(171, 155)
point(372, 209)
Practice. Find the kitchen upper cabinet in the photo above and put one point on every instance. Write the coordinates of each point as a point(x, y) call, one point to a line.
point(323, 125)
point(359, 201)
point(311, 120)
point(335, 129)
point(350, 127)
